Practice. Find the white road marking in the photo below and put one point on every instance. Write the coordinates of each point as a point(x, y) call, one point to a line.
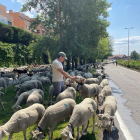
point(123, 127)
point(121, 73)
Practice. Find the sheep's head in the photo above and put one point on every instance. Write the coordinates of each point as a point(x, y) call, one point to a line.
point(3, 133)
point(101, 98)
point(16, 108)
point(37, 135)
point(66, 134)
point(80, 79)
point(106, 120)
point(16, 88)
point(68, 82)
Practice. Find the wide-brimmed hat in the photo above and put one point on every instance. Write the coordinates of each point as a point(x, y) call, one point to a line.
point(62, 54)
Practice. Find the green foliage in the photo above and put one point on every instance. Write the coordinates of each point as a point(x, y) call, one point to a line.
point(75, 31)
point(130, 64)
point(10, 34)
point(134, 55)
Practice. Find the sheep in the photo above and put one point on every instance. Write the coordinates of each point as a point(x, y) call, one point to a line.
point(51, 94)
point(100, 79)
point(3, 84)
point(45, 80)
point(106, 91)
point(22, 76)
point(91, 81)
point(27, 78)
point(37, 96)
point(52, 116)
point(70, 92)
point(7, 80)
point(28, 85)
point(10, 75)
point(87, 75)
point(22, 99)
point(81, 114)
point(104, 82)
point(109, 108)
point(21, 120)
point(68, 82)
point(91, 90)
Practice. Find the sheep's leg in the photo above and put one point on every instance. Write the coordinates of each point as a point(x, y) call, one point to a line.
point(87, 125)
point(24, 134)
point(2, 105)
point(51, 130)
point(77, 133)
point(93, 123)
point(10, 136)
point(83, 132)
point(97, 101)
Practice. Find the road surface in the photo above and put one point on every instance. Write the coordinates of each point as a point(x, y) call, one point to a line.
point(125, 85)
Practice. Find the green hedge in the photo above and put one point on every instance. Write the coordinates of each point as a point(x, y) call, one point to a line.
point(130, 64)
point(10, 34)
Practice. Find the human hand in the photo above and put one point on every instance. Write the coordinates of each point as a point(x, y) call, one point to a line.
point(74, 78)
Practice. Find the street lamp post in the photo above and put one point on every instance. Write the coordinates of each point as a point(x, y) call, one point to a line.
point(119, 50)
point(128, 39)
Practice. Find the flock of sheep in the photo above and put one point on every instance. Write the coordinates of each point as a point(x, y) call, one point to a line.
point(31, 91)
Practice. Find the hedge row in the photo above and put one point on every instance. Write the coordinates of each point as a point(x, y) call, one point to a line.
point(10, 34)
point(130, 64)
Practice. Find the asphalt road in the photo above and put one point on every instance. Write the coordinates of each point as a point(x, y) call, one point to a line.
point(125, 85)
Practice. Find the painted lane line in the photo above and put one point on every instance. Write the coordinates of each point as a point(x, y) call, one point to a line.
point(123, 127)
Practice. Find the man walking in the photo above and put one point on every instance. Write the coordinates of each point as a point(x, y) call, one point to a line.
point(58, 73)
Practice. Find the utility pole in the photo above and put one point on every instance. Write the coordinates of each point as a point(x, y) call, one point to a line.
point(128, 39)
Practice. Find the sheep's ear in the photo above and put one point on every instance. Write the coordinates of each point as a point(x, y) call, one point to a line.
point(70, 135)
point(19, 107)
point(83, 80)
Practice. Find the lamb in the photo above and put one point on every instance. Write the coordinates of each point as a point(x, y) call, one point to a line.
point(28, 85)
point(70, 92)
point(104, 82)
point(52, 116)
point(37, 96)
point(109, 108)
point(21, 120)
point(3, 84)
point(81, 114)
point(22, 99)
point(106, 91)
point(10, 75)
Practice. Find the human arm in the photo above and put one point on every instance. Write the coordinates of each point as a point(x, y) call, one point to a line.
point(65, 74)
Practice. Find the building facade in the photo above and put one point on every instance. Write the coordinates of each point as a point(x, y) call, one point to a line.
point(118, 57)
point(18, 20)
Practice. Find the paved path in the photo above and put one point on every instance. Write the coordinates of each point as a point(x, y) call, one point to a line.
point(125, 85)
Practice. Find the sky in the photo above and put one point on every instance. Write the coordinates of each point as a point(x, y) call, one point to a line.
point(122, 14)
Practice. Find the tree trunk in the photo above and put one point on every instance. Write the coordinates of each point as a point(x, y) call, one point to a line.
point(68, 64)
point(81, 61)
point(73, 62)
point(75, 59)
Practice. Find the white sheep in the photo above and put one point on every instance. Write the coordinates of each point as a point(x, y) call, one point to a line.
point(1, 101)
point(22, 99)
point(70, 92)
point(37, 96)
point(27, 78)
point(28, 85)
point(109, 108)
point(45, 80)
point(10, 75)
point(104, 82)
point(52, 116)
point(86, 90)
point(21, 120)
point(106, 91)
point(81, 114)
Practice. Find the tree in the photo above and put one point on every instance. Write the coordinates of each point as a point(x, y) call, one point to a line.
point(134, 55)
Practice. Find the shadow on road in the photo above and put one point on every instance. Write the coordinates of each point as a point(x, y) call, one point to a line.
point(114, 135)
